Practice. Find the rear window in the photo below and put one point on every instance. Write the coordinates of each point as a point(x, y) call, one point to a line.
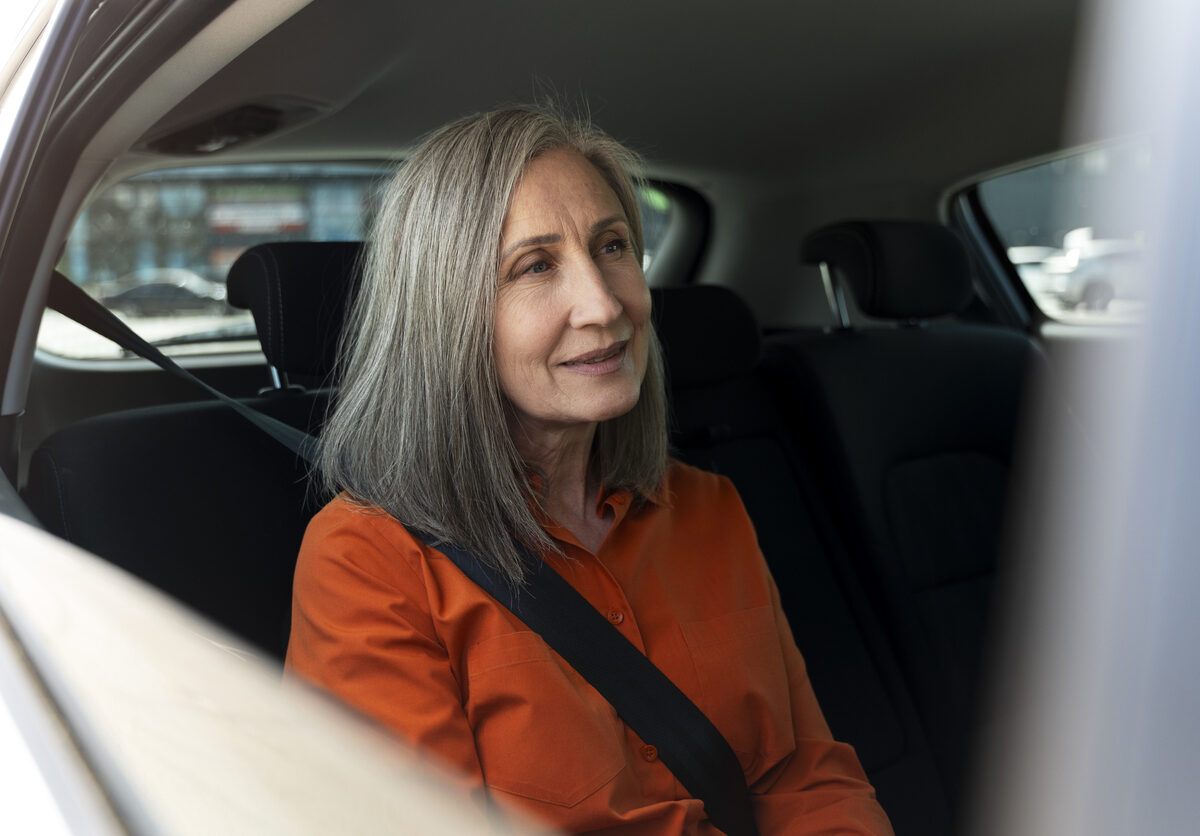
point(155, 249)
point(1078, 252)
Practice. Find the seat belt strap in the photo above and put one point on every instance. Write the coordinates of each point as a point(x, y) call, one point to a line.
point(683, 737)
point(73, 302)
point(643, 696)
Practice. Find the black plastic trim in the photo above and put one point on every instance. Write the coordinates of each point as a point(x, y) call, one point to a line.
point(20, 165)
point(113, 29)
point(1011, 300)
point(687, 235)
point(11, 504)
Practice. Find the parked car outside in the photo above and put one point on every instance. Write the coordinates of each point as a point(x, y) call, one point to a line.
point(165, 291)
point(1104, 270)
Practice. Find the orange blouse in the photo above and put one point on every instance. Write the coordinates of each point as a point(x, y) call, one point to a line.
point(393, 628)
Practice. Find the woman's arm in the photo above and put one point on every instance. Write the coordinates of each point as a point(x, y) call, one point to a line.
point(821, 787)
point(361, 630)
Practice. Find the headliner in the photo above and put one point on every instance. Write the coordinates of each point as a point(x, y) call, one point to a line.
point(823, 92)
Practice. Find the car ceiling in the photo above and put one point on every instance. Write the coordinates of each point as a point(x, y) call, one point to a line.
point(784, 115)
point(826, 92)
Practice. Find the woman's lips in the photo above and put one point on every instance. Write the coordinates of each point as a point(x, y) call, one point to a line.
point(601, 361)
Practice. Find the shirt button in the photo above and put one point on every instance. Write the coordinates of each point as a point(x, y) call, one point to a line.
point(649, 753)
point(616, 616)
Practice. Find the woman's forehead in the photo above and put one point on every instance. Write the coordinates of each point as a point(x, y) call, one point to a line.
point(557, 185)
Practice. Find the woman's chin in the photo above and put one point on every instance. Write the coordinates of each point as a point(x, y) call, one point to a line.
point(577, 405)
point(617, 408)
point(601, 412)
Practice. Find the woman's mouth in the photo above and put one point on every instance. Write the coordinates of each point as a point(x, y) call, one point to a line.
point(601, 361)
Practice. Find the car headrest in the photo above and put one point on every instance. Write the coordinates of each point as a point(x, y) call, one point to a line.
point(895, 269)
point(707, 332)
point(297, 291)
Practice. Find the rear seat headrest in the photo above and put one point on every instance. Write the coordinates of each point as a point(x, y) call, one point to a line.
point(297, 291)
point(707, 332)
point(896, 269)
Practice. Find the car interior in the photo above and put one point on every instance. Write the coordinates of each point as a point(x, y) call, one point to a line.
point(845, 335)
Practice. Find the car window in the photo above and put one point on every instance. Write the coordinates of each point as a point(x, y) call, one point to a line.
point(1079, 254)
point(155, 249)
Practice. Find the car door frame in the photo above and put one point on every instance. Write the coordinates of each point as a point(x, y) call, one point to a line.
point(91, 55)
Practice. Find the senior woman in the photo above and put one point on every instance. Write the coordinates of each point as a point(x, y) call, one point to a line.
point(503, 388)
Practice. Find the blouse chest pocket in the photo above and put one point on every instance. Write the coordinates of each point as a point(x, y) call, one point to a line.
point(744, 684)
point(540, 730)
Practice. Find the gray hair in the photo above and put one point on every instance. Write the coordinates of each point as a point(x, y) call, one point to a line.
point(418, 429)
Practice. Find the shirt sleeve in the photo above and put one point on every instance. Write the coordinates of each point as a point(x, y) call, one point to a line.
point(362, 630)
point(821, 788)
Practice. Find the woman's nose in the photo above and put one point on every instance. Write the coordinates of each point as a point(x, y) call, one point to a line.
point(591, 297)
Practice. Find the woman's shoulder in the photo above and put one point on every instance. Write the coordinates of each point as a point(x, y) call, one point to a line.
point(704, 520)
point(349, 532)
point(690, 488)
point(345, 516)
point(697, 495)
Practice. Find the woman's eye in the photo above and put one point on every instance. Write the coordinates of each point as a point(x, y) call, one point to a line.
point(614, 246)
point(533, 268)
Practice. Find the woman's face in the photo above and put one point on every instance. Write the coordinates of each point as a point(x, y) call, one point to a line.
point(573, 309)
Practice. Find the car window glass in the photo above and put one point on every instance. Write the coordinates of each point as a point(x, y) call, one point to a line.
point(1079, 254)
point(155, 249)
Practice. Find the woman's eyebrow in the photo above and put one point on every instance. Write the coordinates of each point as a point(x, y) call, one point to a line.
point(535, 241)
point(554, 237)
point(603, 222)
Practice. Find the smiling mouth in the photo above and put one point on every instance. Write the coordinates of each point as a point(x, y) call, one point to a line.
point(596, 357)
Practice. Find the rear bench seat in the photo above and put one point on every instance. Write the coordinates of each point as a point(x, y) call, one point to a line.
point(202, 504)
point(193, 498)
point(725, 419)
point(912, 423)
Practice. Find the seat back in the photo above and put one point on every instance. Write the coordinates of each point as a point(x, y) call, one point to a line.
point(725, 419)
point(191, 497)
point(913, 422)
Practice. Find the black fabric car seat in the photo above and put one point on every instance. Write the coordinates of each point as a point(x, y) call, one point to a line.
point(191, 497)
point(725, 419)
point(201, 503)
point(913, 423)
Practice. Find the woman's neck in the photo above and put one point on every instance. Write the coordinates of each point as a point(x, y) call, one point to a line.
point(562, 458)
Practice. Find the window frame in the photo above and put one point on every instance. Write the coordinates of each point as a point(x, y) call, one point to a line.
point(961, 207)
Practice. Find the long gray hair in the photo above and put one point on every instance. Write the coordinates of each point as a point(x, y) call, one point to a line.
point(418, 429)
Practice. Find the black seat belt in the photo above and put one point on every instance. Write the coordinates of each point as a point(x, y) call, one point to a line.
point(662, 715)
point(644, 697)
point(74, 303)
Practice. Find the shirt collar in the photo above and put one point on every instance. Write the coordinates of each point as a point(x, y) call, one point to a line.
point(620, 500)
